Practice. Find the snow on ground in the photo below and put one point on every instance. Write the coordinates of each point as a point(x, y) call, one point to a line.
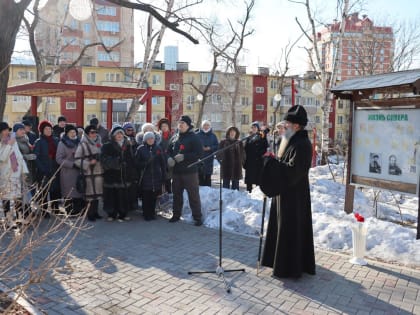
point(387, 238)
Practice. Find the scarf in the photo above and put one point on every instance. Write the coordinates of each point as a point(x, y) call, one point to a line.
point(52, 148)
point(166, 135)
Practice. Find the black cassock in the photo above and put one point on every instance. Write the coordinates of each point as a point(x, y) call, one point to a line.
point(289, 245)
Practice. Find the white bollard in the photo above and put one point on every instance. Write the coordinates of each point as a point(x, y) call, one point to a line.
point(359, 232)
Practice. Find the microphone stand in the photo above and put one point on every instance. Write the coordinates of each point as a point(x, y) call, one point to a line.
point(220, 271)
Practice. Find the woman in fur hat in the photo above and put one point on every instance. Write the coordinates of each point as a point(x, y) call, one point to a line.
point(47, 175)
point(65, 157)
point(12, 169)
point(231, 159)
point(164, 129)
point(119, 174)
point(87, 158)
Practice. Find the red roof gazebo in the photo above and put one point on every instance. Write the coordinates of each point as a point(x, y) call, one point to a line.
point(80, 92)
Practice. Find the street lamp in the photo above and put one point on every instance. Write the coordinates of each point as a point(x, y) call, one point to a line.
point(317, 91)
point(199, 97)
point(80, 9)
point(277, 99)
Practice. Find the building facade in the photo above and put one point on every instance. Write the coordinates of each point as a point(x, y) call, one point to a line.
point(61, 38)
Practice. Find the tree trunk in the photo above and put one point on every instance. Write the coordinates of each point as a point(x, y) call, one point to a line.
point(11, 15)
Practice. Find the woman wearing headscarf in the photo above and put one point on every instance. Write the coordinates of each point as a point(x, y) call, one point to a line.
point(88, 160)
point(65, 157)
point(48, 178)
point(12, 170)
point(210, 144)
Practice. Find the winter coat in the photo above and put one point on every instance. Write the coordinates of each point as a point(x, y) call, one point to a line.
point(231, 159)
point(255, 147)
point(189, 145)
point(57, 131)
point(118, 163)
point(32, 137)
point(151, 163)
point(104, 133)
point(46, 165)
point(165, 140)
point(68, 174)
point(11, 183)
point(26, 149)
point(86, 151)
point(208, 139)
point(289, 246)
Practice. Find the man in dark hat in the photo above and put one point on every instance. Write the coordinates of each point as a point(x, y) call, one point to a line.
point(59, 128)
point(102, 131)
point(289, 245)
point(28, 130)
point(185, 148)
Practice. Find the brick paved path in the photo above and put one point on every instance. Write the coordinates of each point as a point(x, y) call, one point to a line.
point(142, 267)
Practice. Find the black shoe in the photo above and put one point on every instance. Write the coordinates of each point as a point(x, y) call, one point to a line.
point(173, 219)
point(198, 223)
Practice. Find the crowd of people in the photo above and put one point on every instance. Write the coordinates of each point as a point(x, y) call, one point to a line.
point(77, 168)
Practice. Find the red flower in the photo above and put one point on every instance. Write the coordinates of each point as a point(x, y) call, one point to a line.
point(98, 145)
point(181, 147)
point(157, 152)
point(359, 217)
point(123, 148)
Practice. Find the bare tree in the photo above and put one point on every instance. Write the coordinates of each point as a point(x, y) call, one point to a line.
point(407, 45)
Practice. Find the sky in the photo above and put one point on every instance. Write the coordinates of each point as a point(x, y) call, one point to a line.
point(275, 25)
point(386, 239)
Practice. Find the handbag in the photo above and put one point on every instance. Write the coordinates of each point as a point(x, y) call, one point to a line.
point(81, 178)
point(164, 202)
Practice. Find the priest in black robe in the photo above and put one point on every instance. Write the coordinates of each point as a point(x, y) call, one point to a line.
point(289, 245)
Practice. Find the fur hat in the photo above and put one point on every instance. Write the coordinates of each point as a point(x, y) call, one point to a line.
point(146, 125)
point(237, 133)
point(148, 135)
point(42, 125)
point(116, 129)
point(27, 123)
point(297, 115)
point(61, 118)
point(89, 128)
point(204, 122)
point(69, 127)
point(18, 126)
point(4, 125)
point(186, 119)
point(162, 121)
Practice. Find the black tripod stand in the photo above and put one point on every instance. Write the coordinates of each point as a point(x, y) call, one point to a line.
point(220, 271)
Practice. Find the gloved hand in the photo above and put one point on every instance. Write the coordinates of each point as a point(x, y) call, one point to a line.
point(171, 162)
point(179, 157)
point(269, 154)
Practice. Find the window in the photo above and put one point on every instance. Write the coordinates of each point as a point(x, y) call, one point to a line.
point(105, 10)
point(91, 77)
point(87, 27)
point(112, 77)
point(26, 75)
point(205, 78)
point(339, 135)
point(259, 89)
point(340, 120)
point(86, 41)
point(156, 100)
point(259, 107)
point(113, 56)
point(340, 104)
point(190, 99)
point(71, 105)
point(274, 84)
point(214, 98)
point(190, 106)
point(107, 26)
point(21, 99)
point(156, 79)
point(174, 87)
point(244, 101)
point(110, 41)
point(317, 119)
point(244, 119)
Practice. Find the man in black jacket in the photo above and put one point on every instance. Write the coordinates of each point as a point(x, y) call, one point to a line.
point(185, 148)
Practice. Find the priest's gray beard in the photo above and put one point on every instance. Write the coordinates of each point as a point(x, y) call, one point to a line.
point(285, 138)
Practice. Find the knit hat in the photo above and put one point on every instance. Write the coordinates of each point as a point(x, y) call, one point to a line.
point(146, 126)
point(148, 135)
point(297, 115)
point(27, 123)
point(18, 126)
point(61, 118)
point(4, 126)
point(128, 125)
point(256, 124)
point(162, 121)
point(89, 128)
point(68, 128)
point(94, 121)
point(42, 125)
point(116, 129)
point(186, 119)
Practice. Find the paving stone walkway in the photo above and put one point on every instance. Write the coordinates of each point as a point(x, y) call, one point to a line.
point(140, 267)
